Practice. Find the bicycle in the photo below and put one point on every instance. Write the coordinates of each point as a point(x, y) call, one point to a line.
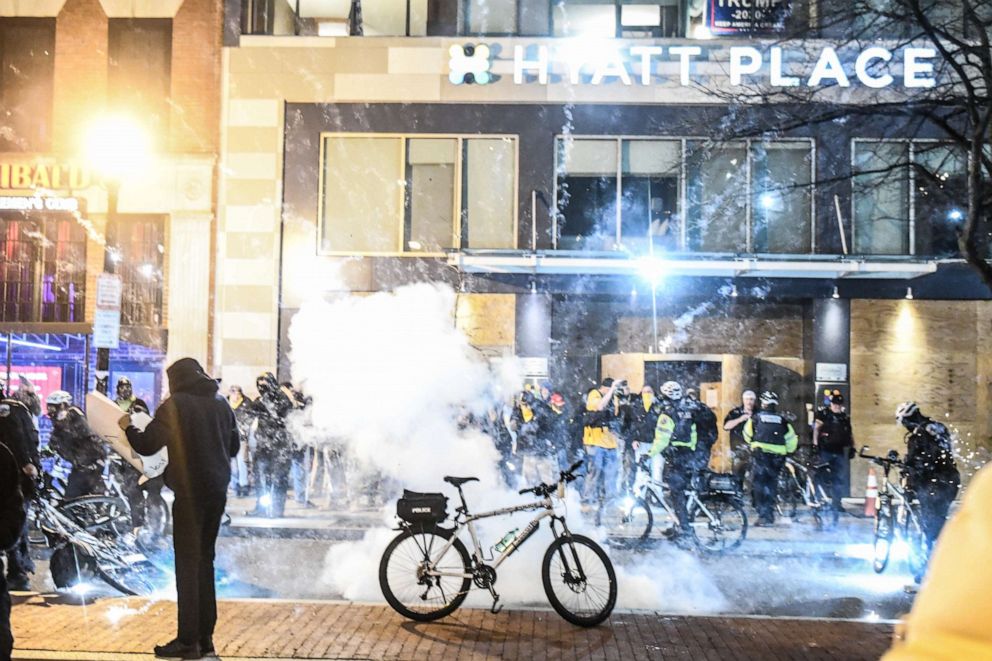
point(426, 572)
point(717, 520)
point(896, 515)
point(801, 487)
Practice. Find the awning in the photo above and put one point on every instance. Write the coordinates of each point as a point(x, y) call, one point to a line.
point(831, 267)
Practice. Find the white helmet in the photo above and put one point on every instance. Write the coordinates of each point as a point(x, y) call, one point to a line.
point(906, 410)
point(768, 398)
point(671, 390)
point(59, 397)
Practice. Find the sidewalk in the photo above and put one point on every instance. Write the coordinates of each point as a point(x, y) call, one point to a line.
point(257, 629)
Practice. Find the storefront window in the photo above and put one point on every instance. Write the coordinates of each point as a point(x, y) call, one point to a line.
point(716, 197)
point(649, 195)
point(490, 193)
point(491, 16)
point(909, 197)
point(137, 245)
point(781, 197)
point(587, 194)
point(27, 67)
point(42, 268)
point(139, 71)
point(572, 19)
point(417, 194)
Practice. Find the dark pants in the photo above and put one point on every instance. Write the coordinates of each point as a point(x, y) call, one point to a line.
point(84, 482)
point(273, 479)
point(834, 478)
point(19, 562)
point(935, 501)
point(765, 468)
point(6, 635)
point(196, 523)
point(741, 452)
point(678, 474)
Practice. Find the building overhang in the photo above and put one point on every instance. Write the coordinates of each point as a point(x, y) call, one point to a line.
point(560, 262)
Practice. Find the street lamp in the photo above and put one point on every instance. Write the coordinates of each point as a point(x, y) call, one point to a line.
point(117, 147)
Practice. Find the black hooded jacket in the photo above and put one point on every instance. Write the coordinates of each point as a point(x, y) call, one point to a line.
point(198, 426)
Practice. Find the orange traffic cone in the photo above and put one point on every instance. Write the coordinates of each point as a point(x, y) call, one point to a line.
point(871, 493)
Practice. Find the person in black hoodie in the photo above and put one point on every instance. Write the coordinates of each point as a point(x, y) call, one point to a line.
point(198, 427)
point(12, 518)
point(274, 452)
point(18, 433)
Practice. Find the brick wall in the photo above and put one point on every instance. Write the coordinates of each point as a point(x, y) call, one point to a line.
point(80, 71)
point(196, 42)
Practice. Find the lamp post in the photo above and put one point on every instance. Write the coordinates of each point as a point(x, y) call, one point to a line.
point(117, 148)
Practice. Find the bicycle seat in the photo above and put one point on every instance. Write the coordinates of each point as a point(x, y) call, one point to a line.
point(458, 481)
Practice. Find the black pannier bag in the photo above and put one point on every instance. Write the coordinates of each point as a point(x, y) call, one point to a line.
point(422, 508)
point(725, 483)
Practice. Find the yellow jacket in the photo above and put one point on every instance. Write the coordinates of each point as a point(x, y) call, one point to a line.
point(950, 619)
point(600, 437)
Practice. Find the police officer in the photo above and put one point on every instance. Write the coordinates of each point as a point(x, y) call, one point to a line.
point(930, 469)
point(706, 429)
point(734, 423)
point(274, 454)
point(130, 477)
point(75, 442)
point(833, 440)
point(18, 434)
point(771, 438)
point(676, 435)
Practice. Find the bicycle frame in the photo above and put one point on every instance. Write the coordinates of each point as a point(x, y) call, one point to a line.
point(807, 486)
point(464, 520)
point(648, 485)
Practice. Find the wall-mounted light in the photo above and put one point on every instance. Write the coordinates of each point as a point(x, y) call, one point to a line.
point(733, 291)
point(836, 293)
point(909, 293)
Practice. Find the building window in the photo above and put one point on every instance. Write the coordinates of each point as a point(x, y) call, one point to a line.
point(334, 18)
point(633, 194)
point(139, 70)
point(137, 246)
point(27, 66)
point(391, 194)
point(490, 17)
point(909, 197)
point(43, 268)
point(617, 18)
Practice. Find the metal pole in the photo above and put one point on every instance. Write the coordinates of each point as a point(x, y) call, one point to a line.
point(654, 315)
point(103, 354)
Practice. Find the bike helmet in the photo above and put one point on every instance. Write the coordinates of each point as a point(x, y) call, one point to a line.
point(671, 390)
point(769, 398)
point(906, 410)
point(59, 397)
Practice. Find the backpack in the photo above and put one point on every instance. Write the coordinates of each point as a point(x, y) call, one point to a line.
point(12, 512)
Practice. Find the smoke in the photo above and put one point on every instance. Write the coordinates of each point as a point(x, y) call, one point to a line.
point(390, 375)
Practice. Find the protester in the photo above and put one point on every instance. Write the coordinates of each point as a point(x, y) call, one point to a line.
point(27, 394)
point(132, 486)
point(833, 441)
point(18, 434)
point(771, 437)
point(12, 520)
point(600, 442)
point(274, 452)
point(241, 406)
point(75, 442)
point(644, 419)
point(734, 423)
point(706, 428)
point(197, 426)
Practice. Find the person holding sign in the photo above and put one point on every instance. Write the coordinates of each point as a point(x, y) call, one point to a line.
point(197, 426)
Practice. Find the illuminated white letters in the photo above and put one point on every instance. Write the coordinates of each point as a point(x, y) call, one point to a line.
point(737, 66)
point(828, 66)
point(911, 67)
point(610, 65)
point(645, 53)
point(861, 67)
point(520, 65)
point(685, 53)
point(778, 80)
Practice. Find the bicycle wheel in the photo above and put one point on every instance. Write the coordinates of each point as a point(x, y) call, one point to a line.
point(407, 586)
point(70, 567)
point(882, 546)
point(107, 516)
point(634, 522)
point(717, 524)
point(579, 580)
point(137, 579)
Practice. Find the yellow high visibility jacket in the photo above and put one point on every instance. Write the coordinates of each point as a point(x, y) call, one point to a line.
point(769, 432)
point(665, 433)
point(600, 437)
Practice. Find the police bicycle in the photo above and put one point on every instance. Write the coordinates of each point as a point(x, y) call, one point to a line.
point(717, 520)
point(897, 519)
point(797, 485)
point(426, 572)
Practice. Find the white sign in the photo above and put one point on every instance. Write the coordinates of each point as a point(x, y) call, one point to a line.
point(831, 372)
point(534, 366)
point(103, 414)
point(107, 317)
point(873, 67)
point(37, 203)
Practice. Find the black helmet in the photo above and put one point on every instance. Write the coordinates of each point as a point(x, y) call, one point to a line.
point(123, 383)
point(266, 383)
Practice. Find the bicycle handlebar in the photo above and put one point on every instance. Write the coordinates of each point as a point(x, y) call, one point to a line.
point(892, 459)
point(565, 476)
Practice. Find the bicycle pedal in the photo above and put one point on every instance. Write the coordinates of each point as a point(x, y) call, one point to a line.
point(496, 608)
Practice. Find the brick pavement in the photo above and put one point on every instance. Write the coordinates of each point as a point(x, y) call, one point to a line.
point(335, 630)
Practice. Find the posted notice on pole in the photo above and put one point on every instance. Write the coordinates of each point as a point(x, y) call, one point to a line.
point(107, 317)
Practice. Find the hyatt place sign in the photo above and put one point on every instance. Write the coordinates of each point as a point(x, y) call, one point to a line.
point(598, 63)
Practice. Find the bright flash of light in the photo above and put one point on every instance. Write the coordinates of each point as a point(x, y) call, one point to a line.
point(955, 214)
point(81, 588)
point(628, 504)
point(117, 613)
point(147, 270)
point(117, 145)
point(265, 500)
point(872, 617)
point(651, 269)
point(767, 200)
